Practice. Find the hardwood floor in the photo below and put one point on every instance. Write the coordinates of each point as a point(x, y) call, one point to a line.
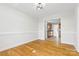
point(41, 48)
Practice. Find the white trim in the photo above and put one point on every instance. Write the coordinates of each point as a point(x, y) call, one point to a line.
point(13, 46)
point(12, 39)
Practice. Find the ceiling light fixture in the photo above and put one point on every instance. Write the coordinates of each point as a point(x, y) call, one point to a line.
point(39, 6)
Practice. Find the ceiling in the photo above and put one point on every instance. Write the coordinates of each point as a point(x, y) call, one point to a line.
point(49, 9)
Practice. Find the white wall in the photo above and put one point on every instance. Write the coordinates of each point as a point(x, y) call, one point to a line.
point(16, 27)
point(77, 18)
point(68, 25)
point(41, 29)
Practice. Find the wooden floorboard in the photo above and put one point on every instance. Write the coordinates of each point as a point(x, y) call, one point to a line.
point(41, 48)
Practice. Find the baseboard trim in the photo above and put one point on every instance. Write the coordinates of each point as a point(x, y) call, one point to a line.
point(17, 45)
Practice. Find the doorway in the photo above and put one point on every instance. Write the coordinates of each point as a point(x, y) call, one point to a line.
point(53, 31)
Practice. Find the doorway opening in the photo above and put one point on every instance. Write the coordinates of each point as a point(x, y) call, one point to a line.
point(53, 31)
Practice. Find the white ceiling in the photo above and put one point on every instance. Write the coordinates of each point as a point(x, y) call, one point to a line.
point(49, 9)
